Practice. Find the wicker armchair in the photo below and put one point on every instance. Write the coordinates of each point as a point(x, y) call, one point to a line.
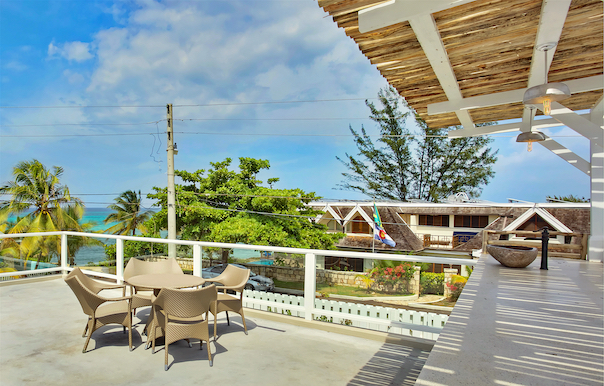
point(234, 279)
point(183, 314)
point(137, 267)
point(94, 286)
point(100, 310)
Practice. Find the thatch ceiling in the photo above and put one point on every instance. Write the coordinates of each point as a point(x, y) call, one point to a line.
point(490, 45)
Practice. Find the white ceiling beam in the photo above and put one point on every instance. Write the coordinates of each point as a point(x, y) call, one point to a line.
point(597, 112)
point(566, 155)
point(538, 124)
point(551, 22)
point(591, 83)
point(576, 122)
point(398, 11)
point(428, 36)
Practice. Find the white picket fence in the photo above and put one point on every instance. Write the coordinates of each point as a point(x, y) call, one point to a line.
point(426, 325)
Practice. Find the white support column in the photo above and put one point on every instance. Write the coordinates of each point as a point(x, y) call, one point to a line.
point(197, 260)
point(64, 262)
point(310, 285)
point(119, 260)
point(596, 238)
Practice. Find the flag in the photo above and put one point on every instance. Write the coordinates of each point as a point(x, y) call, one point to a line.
point(378, 230)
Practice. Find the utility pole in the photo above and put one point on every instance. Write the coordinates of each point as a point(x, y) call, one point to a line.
point(171, 186)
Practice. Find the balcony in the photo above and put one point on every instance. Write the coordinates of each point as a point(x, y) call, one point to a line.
point(510, 326)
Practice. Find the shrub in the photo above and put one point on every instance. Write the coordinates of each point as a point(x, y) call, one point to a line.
point(432, 283)
point(456, 286)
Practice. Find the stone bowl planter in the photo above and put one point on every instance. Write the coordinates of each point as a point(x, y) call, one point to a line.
point(513, 256)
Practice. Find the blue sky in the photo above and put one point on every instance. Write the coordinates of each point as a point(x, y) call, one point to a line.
point(236, 53)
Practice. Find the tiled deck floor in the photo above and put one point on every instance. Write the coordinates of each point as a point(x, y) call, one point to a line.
point(40, 344)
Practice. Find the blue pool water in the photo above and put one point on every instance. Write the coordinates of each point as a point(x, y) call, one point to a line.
point(262, 262)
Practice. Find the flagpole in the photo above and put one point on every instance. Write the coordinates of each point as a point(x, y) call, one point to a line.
point(373, 235)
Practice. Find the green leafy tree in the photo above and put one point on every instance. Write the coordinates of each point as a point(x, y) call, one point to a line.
point(128, 214)
point(51, 208)
point(569, 198)
point(223, 205)
point(399, 166)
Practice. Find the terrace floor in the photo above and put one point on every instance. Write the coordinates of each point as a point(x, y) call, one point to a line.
point(41, 323)
point(525, 326)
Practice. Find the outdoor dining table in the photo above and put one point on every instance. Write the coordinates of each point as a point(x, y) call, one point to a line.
point(156, 282)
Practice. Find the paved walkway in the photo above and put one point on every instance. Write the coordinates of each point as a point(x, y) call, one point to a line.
point(40, 344)
point(523, 327)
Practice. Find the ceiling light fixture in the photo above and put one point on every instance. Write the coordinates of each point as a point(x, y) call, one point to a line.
point(530, 136)
point(548, 92)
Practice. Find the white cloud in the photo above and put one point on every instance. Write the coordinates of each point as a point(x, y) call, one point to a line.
point(72, 51)
point(15, 66)
point(73, 77)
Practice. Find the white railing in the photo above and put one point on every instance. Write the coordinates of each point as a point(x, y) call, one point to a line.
point(309, 308)
point(419, 324)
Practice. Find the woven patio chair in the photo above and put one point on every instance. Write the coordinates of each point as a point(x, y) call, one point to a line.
point(100, 310)
point(183, 314)
point(94, 285)
point(234, 279)
point(137, 267)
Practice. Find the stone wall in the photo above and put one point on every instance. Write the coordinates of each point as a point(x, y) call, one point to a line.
point(324, 276)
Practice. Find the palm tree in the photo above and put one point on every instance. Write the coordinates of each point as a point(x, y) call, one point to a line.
point(127, 214)
point(38, 188)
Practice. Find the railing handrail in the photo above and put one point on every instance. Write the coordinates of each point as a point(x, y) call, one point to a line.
point(304, 251)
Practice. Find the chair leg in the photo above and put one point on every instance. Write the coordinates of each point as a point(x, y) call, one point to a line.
point(91, 322)
point(166, 362)
point(243, 319)
point(209, 351)
point(86, 328)
point(130, 331)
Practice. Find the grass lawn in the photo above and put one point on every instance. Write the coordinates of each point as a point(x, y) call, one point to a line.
point(334, 289)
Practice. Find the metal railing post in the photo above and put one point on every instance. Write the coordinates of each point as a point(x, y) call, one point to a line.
point(64, 264)
point(197, 260)
point(310, 284)
point(544, 243)
point(119, 260)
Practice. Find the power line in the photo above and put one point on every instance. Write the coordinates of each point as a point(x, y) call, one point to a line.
point(192, 105)
point(72, 135)
point(84, 124)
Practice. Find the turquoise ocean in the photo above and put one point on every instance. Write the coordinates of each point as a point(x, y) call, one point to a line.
point(95, 254)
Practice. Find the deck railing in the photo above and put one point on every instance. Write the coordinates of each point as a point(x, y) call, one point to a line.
point(572, 251)
point(310, 308)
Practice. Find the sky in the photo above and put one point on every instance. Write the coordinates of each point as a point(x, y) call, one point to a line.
point(269, 79)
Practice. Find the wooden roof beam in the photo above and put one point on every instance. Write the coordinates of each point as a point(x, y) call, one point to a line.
point(581, 125)
point(428, 36)
point(419, 16)
point(591, 83)
point(398, 11)
point(551, 22)
point(566, 155)
point(505, 128)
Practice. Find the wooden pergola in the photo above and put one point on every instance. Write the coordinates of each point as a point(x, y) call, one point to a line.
point(465, 62)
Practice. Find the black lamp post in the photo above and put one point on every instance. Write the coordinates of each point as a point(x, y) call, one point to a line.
point(544, 242)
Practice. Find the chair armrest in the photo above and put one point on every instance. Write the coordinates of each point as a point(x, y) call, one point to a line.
point(129, 297)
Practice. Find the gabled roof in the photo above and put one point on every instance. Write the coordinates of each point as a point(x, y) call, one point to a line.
point(545, 215)
point(358, 210)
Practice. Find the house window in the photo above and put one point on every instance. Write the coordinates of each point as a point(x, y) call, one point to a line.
point(437, 221)
point(471, 221)
point(535, 224)
point(359, 225)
